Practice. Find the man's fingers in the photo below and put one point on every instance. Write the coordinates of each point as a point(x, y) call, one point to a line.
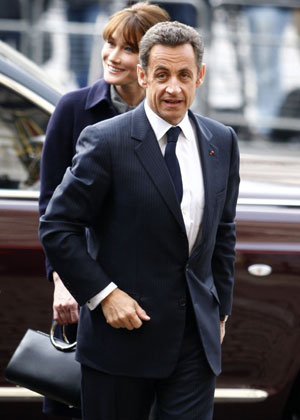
point(135, 321)
point(141, 313)
point(222, 330)
point(122, 311)
point(128, 320)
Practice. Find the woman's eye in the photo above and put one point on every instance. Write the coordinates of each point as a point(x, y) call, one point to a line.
point(129, 49)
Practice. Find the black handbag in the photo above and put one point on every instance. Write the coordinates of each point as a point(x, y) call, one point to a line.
point(47, 366)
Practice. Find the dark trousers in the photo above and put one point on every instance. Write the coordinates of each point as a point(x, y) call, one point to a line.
point(187, 394)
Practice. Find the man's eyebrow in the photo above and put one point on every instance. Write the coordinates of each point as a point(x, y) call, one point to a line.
point(160, 68)
point(185, 69)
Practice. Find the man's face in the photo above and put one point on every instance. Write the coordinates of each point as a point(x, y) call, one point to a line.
point(171, 80)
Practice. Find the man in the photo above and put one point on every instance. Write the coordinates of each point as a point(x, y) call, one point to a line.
point(155, 300)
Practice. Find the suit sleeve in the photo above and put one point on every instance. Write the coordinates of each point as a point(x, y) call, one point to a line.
point(224, 252)
point(75, 205)
point(58, 151)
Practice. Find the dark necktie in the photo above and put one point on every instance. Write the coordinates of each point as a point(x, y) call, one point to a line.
point(172, 161)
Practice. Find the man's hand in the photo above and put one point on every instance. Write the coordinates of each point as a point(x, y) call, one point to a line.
point(222, 329)
point(65, 307)
point(121, 311)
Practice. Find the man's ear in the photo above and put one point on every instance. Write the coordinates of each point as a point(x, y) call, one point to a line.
point(200, 77)
point(141, 76)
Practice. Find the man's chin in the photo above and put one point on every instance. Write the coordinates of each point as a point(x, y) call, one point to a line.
point(173, 119)
point(173, 116)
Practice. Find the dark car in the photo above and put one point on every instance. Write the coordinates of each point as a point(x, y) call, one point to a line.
point(27, 99)
point(261, 360)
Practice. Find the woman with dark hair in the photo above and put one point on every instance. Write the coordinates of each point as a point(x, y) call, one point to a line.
point(117, 92)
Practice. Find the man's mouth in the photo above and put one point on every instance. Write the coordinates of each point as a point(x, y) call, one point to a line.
point(173, 101)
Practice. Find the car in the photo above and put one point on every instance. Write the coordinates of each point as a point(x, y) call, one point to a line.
point(261, 361)
point(27, 99)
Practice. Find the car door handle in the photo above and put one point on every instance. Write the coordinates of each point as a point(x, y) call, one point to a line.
point(260, 270)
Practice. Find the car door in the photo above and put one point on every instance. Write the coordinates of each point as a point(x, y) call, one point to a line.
point(261, 350)
point(25, 295)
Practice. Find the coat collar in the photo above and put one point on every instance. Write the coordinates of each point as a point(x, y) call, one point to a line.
point(98, 92)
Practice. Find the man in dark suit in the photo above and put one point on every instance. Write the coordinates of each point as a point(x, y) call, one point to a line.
point(162, 203)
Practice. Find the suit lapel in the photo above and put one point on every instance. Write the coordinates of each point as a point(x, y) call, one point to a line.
point(209, 163)
point(148, 152)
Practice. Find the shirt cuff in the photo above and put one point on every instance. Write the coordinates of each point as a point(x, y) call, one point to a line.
point(94, 301)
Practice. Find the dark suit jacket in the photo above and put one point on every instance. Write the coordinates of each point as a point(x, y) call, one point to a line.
point(75, 111)
point(119, 184)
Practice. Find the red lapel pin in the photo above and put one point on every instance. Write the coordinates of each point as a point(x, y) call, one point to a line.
point(211, 152)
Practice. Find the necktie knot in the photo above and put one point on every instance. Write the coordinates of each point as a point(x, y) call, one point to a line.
point(173, 134)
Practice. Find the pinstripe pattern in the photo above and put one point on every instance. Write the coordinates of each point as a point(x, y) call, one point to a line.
point(119, 184)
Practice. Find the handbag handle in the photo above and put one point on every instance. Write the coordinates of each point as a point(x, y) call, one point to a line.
point(62, 347)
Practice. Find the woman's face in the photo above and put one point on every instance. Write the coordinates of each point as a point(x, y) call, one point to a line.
point(119, 61)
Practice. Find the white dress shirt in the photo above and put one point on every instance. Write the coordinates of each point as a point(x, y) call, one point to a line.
point(192, 203)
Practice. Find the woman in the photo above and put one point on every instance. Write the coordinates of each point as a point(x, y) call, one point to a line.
point(116, 93)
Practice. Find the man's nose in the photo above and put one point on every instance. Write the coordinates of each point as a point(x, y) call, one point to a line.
point(173, 87)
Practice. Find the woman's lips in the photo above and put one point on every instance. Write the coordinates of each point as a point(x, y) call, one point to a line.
point(114, 69)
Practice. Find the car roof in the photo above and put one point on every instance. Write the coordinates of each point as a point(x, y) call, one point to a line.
point(20, 69)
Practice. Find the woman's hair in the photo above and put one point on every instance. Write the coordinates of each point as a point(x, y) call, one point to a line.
point(134, 22)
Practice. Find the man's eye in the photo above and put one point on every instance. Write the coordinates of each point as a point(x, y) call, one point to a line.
point(161, 76)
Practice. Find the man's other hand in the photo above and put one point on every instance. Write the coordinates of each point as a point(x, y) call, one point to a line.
point(222, 330)
point(65, 307)
point(121, 311)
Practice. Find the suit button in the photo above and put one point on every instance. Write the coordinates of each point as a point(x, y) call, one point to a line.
point(187, 267)
point(182, 302)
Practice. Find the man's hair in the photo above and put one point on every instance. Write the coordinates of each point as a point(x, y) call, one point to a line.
point(134, 21)
point(170, 34)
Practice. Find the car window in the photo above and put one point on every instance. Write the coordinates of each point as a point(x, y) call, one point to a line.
point(22, 131)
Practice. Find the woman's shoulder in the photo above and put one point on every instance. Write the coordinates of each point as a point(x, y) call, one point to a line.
point(73, 98)
point(81, 98)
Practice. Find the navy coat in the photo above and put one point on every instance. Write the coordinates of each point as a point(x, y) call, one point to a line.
point(119, 184)
point(73, 113)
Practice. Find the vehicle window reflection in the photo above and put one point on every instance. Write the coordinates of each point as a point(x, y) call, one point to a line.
point(22, 130)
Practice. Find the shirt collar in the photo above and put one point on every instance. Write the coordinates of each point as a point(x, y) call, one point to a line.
point(160, 126)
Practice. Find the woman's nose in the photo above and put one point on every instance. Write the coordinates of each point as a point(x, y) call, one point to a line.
point(114, 55)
